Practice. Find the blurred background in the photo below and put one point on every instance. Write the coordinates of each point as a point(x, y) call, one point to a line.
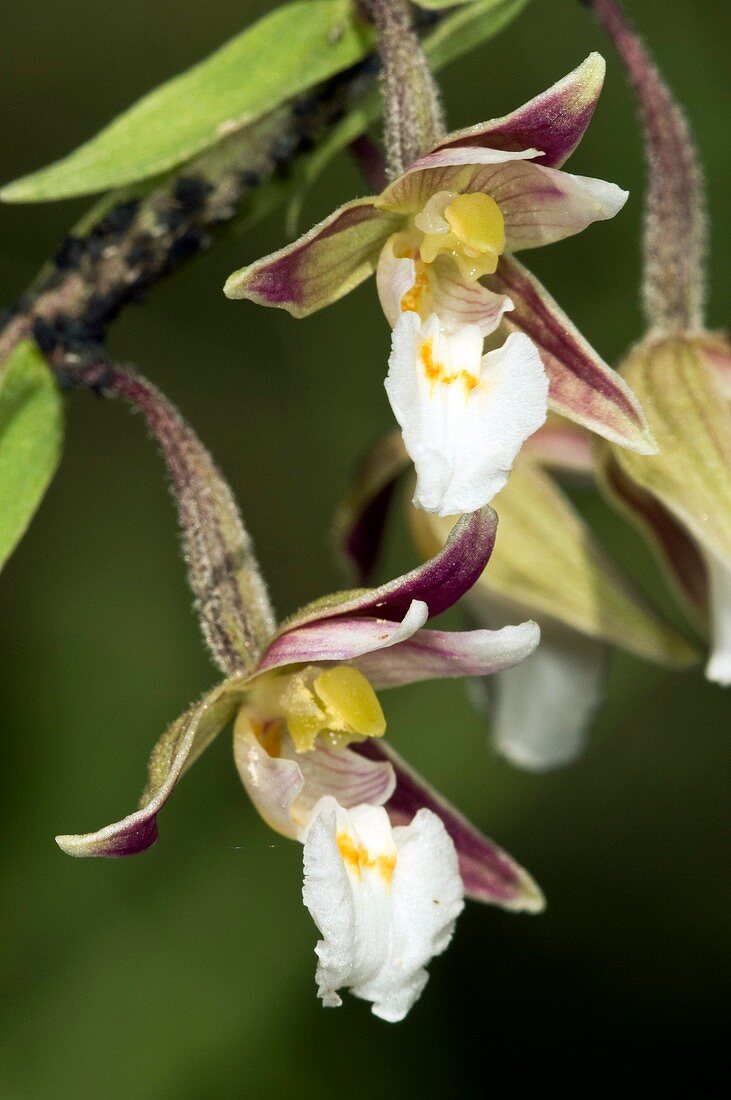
point(189, 971)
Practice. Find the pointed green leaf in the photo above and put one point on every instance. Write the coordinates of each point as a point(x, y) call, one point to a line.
point(284, 53)
point(31, 430)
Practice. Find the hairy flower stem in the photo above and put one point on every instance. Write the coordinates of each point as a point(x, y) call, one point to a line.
point(231, 598)
point(675, 237)
point(413, 116)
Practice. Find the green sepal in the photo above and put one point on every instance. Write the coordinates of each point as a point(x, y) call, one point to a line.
point(178, 748)
point(691, 420)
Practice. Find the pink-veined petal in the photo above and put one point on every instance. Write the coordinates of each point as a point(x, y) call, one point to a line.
point(450, 170)
point(438, 654)
point(342, 639)
point(285, 787)
point(544, 205)
point(540, 205)
point(457, 301)
point(405, 284)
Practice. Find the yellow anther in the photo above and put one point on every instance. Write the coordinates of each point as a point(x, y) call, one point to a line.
point(477, 221)
point(468, 227)
point(351, 703)
point(305, 717)
point(332, 706)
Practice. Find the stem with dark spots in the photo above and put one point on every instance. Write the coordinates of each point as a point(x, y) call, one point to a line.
point(675, 224)
point(139, 241)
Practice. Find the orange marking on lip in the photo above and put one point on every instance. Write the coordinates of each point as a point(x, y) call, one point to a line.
point(436, 372)
point(269, 736)
point(411, 301)
point(357, 857)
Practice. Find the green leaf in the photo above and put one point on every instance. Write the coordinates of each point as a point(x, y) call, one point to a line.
point(456, 34)
point(284, 53)
point(467, 27)
point(31, 430)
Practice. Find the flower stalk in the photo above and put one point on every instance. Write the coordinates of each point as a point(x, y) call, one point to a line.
point(675, 229)
point(413, 116)
point(231, 599)
point(680, 498)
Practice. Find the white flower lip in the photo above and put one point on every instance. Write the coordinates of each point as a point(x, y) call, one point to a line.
point(464, 415)
point(385, 900)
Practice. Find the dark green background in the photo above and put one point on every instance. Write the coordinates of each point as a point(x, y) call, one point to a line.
point(188, 972)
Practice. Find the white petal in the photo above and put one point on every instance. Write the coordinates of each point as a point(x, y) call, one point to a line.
point(458, 301)
point(385, 901)
point(465, 419)
point(285, 787)
point(541, 709)
point(442, 290)
point(395, 277)
point(718, 668)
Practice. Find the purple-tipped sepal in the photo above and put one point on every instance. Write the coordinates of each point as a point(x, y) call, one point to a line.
point(489, 874)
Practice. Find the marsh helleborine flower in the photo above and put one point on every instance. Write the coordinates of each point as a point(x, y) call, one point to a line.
point(440, 237)
point(387, 861)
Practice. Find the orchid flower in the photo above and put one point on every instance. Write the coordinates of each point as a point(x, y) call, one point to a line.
point(546, 564)
point(439, 238)
point(387, 862)
point(680, 499)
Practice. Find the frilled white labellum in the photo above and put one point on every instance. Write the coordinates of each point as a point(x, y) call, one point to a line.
point(464, 415)
point(385, 900)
